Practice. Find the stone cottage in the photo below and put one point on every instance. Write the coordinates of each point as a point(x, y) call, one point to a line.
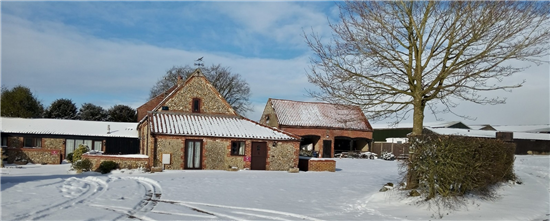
point(325, 129)
point(193, 127)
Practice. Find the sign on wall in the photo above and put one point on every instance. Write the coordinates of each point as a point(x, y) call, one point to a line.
point(54, 152)
point(246, 159)
point(166, 158)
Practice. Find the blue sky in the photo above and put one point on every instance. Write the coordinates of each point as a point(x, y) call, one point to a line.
point(109, 53)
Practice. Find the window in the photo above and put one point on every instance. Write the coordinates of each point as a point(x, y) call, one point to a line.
point(3, 141)
point(196, 105)
point(32, 142)
point(267, 119)
point(237, 148)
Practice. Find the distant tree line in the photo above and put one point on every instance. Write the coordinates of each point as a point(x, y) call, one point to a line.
point(21, 102)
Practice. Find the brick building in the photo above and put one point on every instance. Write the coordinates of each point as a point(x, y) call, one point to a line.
point(193, 127)
point(51, 140)
point(325, 129)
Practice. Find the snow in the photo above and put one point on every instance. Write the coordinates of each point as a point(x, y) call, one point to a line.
point(213, 126)
point(488, 133)
point(68, 127)
point(51, 192)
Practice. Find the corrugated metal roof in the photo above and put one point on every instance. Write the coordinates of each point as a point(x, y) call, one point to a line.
point(437, 124)
point(316, 114)
point(212, 126)
point(523, 128)
point(488, 133)
point(68, 127)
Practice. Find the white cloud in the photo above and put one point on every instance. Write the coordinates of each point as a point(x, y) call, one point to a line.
point(56, 61)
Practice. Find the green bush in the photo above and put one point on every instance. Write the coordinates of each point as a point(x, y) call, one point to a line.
point(107, 166)
point(70, 157)
point(77, 154)
point(451, 166)
point(82, 165)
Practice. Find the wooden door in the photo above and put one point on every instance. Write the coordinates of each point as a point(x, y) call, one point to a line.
point(193, 154)
point(327, 148)
point(259, 156)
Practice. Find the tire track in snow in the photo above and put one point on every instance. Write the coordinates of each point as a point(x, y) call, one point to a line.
point(193, 205)
point(91, 188)
point(153, 192)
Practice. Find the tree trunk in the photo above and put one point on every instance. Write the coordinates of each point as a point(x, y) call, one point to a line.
point(418, 125)
point(418, 116)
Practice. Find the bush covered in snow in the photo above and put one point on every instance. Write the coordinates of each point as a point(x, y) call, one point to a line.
point(107, 166)
point(70, 157)
point(82, 165)
point(451, 166)
point(77, 154)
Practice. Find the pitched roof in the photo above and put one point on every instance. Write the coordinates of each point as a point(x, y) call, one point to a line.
point(317, 114)
point(68, 127)
point(196, 73)
point(186, 124)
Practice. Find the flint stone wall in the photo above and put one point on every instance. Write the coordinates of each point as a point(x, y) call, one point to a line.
point(123, 162)
point(34, 155)
point(197, 87)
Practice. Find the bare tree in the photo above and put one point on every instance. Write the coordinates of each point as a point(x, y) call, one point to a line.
point(231, 86)
point(394, 57)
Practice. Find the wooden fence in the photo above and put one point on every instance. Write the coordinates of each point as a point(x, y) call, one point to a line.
point(398, 149)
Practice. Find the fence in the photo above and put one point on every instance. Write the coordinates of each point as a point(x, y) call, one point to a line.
point(398, 149)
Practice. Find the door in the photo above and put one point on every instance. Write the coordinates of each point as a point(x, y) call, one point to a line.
point(193, 154)
point(327, 148)
point(259, 156)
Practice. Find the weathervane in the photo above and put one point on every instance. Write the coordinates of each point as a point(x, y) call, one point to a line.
point(199, 62)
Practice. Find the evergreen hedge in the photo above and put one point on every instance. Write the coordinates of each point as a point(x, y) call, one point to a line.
point(451, 166)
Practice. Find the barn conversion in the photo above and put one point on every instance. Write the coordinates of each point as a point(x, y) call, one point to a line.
point(193, 127)
point(325, 129)
point(51, 140)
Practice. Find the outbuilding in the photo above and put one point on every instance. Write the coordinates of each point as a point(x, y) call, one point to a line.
point(325, 129)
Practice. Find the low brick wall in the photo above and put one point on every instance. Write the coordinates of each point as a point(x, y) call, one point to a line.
point(34, 155)
point(123, 162)
point(317, 165)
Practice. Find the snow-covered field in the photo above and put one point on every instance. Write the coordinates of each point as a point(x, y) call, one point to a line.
point(50, 192)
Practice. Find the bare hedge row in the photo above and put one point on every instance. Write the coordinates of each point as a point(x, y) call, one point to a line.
point(453, 165)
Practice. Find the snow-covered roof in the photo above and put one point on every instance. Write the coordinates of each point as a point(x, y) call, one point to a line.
point(488, 133)
point(437, 124)
point(212, 126)
point(523, 128)
point(316, 114)
point(68, 127)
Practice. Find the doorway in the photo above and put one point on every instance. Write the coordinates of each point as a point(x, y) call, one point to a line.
point(193, 154)
point(259, 156)
point(327, 148)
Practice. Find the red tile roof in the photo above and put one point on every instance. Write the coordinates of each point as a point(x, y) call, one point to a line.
point(317, 114)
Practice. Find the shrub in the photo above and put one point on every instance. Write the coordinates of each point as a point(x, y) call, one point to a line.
point(451, 166)
point(82, 165)
point(77, 154)
point(107, 166)
point(70, 157)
